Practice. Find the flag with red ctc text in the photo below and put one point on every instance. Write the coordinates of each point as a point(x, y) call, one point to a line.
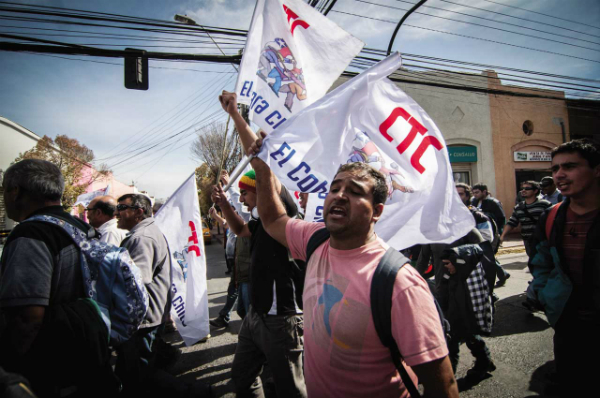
point(293, 55)
point(369, 119)
point(180, 222)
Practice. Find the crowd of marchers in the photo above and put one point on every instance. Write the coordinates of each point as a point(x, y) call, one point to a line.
point(330, 307)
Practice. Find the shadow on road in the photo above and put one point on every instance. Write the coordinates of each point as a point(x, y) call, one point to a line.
point(540, 380)
point(513, 318)
point(518, 265)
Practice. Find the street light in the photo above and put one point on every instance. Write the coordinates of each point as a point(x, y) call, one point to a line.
point(184, 19)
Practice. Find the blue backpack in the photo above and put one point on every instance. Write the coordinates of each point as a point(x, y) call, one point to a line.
point(110, 278)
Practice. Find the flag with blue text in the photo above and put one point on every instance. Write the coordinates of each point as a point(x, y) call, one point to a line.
point(369, 119)
point(293, 55)
point(180, 222)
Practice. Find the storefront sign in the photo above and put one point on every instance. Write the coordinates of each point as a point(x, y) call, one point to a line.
point(462, 154)
point(532, 157)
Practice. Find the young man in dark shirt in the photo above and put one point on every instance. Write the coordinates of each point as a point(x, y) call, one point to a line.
point(273, 328)
point(566, 266)
point(527, 214)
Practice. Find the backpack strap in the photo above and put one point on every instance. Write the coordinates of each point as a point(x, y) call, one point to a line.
point(382, 288)
point(550, 219)
point(316, 240)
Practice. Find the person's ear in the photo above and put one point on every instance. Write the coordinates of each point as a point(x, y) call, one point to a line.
point(377, 211)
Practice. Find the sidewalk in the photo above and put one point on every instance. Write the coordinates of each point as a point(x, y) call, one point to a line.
point(512, 244)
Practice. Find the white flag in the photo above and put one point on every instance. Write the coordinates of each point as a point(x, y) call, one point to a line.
point(179, 220)
point(85, 198)
point(293, 55)
point(370, 119)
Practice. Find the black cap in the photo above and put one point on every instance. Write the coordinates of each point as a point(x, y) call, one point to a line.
point(546, 181)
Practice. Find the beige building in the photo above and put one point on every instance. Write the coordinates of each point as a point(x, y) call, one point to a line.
point(524, 131)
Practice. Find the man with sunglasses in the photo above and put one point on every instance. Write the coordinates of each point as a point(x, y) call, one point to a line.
point(526, 213)
point(148, 249)
point(101, 215)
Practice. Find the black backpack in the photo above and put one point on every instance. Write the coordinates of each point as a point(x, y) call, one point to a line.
point(382, 288)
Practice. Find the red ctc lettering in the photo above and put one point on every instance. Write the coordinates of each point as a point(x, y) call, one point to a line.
point(193, 238)
point(298, 22)
point(416, 127)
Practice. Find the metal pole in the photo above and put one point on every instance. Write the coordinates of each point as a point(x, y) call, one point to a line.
point(389, 51)
point(245, 161)
point(223, 151)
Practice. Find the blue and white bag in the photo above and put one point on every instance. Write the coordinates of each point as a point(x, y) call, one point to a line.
point(110, 278)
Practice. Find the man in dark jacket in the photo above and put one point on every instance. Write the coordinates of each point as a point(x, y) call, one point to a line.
point(566, 265)
point(42, 314)
point(468, 286)
point(492, 208)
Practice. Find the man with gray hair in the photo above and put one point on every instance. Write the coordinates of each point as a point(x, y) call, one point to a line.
point(101, 215)
point(40, 265)
point(148, 249)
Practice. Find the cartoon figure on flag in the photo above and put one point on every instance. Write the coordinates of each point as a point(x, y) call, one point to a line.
point(364, 150)
point(279, 69)
point(293, 54)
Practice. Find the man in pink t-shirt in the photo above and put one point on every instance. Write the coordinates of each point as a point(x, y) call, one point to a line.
point(343, 354)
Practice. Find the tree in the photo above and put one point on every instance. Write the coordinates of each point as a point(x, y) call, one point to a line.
point(72, 158)
point(205, 182)
point(208, 148)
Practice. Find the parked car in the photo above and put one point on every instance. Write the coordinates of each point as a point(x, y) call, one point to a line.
point(206, 233)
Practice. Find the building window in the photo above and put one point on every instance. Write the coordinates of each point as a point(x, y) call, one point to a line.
point(462, 176)
point(528, 127)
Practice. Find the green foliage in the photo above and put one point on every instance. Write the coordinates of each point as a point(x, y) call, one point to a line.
point(72, 158)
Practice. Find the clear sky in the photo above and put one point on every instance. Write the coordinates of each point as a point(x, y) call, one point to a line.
point(86, 100)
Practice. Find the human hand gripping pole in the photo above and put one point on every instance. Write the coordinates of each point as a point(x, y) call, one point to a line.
point(229, 104)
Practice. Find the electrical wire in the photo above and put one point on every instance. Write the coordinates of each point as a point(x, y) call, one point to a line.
point(519, 18)
point(190, 106)
point(473, 37)
point(481, 25)
point(539, 13)
point(500, 22)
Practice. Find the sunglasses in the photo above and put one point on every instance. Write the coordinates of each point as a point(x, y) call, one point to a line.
point(124, 207)
point(528, 189)
point(91, 208)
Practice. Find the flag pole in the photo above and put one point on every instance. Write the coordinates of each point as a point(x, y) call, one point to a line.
point(245, 161)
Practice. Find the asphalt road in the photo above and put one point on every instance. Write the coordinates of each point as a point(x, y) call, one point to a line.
point(521, 343)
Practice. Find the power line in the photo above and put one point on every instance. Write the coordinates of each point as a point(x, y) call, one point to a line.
point(500, 73)
point(501, 22)
point(481, 25)
point(141, 149)
point(472, 37)
point(522, 19)
point(382, 53)
point(546, 15)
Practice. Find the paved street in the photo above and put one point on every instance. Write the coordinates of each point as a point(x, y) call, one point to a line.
point(521, 344)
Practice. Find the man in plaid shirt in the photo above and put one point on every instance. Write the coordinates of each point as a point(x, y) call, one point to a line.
point(467, 304)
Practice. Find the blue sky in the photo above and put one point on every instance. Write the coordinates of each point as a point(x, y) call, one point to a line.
point(87, 100)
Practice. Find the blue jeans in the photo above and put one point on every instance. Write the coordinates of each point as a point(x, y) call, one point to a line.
point(243, 299)
point(232, 295)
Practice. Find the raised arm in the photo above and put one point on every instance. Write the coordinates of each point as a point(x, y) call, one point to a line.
point(270, 209)
point(235, 222)
point(229, 103)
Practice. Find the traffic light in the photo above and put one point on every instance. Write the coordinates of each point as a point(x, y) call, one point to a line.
point(136, 69)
